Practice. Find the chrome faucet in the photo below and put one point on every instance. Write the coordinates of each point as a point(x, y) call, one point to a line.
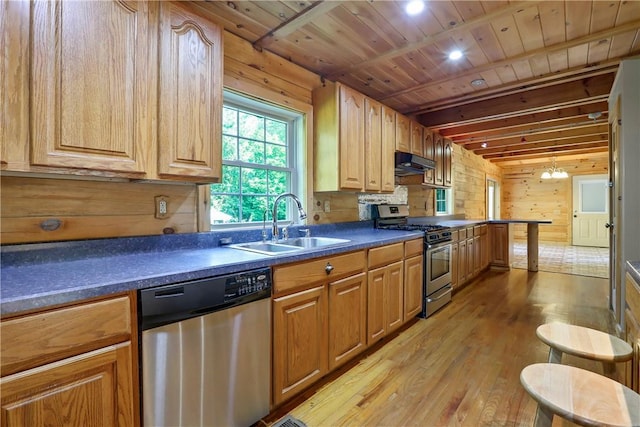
point(301, 212)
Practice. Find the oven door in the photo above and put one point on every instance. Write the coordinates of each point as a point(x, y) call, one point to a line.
point(437, 272)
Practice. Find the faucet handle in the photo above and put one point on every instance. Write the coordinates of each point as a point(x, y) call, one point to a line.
point(306, 231)
point(285, 233)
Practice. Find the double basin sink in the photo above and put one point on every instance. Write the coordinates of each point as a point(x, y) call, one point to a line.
point(289, 245)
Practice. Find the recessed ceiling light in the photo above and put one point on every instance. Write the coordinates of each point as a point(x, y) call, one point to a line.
point(483, 145)
point(414, 7)
point(477, 82)
point(455, 55)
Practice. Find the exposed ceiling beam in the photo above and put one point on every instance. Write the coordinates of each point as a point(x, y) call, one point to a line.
point(434, 38)
point(533, 154)
point(588, 89)
point(573, 142)
point(525, 121)
point(546, 51)
point(546, 135)
point(561, 161)
point(296, 22)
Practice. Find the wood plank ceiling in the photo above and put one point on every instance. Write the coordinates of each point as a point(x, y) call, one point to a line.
point(532, 83)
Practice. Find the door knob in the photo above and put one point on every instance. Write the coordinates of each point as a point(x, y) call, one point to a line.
point(608, 225)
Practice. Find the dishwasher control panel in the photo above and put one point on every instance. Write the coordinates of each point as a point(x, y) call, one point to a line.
point(247, 283)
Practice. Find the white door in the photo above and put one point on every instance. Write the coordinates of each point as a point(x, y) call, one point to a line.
point(590, 210)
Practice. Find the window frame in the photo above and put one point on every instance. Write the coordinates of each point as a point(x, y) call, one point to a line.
point(448, 196)
point(295, 121)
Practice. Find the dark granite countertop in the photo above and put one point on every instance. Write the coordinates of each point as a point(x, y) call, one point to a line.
point(633, 267)
point(457, 223)
point(35, 276)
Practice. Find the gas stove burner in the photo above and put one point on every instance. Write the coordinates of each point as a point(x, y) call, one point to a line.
point(413, 227)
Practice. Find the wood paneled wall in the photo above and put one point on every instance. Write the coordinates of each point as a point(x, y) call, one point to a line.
point(526, 196)
point(91, 209)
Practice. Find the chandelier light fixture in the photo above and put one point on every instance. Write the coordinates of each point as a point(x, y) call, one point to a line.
point(554, 173)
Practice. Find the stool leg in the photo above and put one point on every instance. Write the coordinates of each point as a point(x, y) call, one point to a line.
point(555, 355)
point(544, 417)
point(609, 368)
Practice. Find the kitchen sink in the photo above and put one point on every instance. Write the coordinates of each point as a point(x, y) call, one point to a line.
point(289, 245)
point(314, 242)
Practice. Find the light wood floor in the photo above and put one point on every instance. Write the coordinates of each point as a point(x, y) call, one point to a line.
point(461, 366)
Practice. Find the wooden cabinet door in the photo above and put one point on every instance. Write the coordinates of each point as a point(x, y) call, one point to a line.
point(477, 255)
point(413, 277)
point(388, 148)
point(403, 133)
point(462, 262)
point(14, 85)
point(299, 341)
point(92, 85)
point(92, 389)
point(394, 296)
point(376, 324)
point(447, 161)
point(438, 156)
point(484, 250)
point(427, 136)
point(190, 98)
point(471, 258)
point(499, 237)
point(373, 144)
point(351, 139)
point(347, 319)
point(417, 145)
point(455, 270)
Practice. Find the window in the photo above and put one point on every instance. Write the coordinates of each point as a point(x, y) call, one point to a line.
point(258, 162)
point(443, 201)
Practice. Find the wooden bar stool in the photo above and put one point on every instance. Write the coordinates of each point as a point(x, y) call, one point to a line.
point(584, 342)
point(580, 396)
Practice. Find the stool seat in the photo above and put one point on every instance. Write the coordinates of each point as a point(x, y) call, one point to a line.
point(580, 396)
point(584, 342)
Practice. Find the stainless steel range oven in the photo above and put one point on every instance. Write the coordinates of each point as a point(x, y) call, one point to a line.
point(437, 252)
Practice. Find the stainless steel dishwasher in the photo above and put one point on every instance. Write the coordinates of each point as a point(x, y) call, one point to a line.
point(206, 351)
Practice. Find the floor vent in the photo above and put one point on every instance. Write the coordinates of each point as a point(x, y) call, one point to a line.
point(289, 421)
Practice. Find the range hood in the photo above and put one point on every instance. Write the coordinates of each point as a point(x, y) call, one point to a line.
point(410, 164)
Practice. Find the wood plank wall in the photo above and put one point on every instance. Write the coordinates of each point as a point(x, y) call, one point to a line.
point(526, 196)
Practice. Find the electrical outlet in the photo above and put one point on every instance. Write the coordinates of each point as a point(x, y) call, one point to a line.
point(162, 206)
point(327, 206)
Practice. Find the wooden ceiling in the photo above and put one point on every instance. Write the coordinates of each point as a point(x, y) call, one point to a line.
point(543, 69)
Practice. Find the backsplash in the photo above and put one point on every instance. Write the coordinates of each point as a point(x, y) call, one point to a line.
point(400, 196)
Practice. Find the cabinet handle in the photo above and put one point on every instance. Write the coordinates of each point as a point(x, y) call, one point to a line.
point(328, 268)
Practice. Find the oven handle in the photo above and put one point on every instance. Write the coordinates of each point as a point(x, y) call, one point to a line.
point(430, 247)
point(440, 294)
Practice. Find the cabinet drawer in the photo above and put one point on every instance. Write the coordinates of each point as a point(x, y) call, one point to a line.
point(632, 295)
point(41, 338)
point(413, 247)
point(462, 234)
point(385, 255)
point(454, 236)
point(307, 273)
point(479, 230)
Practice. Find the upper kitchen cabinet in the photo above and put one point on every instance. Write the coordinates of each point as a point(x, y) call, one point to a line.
point(379, 142)
point(190, 98)
point(92, 71)
point(438, 156)
point(403, 133)
point(111, 89)
point(339, 129)
point(427, 140)
point(447, 162)
point(417, 145)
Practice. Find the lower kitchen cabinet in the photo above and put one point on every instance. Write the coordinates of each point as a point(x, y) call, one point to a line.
point(385, 291)
point(347, 319)
point(632, 332)
point(300, 341)
point(74, 365)
point(413, 278)
point(501, 246)
point(319, 319)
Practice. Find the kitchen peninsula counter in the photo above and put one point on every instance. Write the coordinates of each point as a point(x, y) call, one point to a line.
point(37, 276)
point(532, 234)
